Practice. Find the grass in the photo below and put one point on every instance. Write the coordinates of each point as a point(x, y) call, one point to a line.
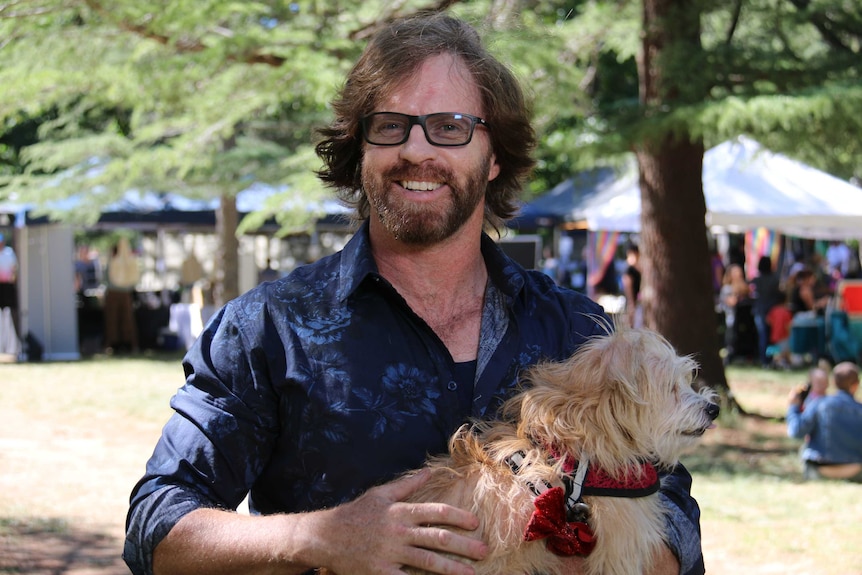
point(74, 438)
point(758, 516)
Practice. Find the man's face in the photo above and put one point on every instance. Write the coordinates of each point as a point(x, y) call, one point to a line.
point(421, 193)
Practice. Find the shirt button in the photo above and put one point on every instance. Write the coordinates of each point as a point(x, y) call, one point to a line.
point(452, 386)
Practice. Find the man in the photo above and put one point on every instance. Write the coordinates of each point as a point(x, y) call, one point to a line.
point(312, 391)
point(833, 427)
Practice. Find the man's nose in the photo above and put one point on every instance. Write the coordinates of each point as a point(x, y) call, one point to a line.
point(417, 148)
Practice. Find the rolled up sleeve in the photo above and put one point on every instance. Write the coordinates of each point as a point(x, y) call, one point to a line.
point(212, 447)
point(683, 521)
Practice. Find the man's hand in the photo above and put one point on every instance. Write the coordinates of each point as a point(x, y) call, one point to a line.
point(797, 395)
point(378, 533)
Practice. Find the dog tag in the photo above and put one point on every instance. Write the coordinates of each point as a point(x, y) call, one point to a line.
point(580, 511)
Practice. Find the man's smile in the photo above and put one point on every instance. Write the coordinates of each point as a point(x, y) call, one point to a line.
point(420, 186)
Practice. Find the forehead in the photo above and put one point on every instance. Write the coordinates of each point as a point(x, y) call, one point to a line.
point(442, 83)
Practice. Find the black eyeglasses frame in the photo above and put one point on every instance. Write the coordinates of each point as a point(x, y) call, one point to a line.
point(421, 121)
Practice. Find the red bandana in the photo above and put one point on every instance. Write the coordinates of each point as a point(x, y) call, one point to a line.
point(566, 538)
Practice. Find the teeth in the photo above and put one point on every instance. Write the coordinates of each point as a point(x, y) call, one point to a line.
point(420, 186)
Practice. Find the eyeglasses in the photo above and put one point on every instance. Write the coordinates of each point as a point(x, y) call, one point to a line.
point(441, 129)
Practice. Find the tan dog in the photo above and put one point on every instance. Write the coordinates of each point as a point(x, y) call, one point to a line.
point(581, 430)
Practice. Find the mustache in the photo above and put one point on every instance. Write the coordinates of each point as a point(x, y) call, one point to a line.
point(406, 171)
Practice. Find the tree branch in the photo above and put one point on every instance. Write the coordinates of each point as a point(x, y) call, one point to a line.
point(395, 13)
point(185, 44)
point(825, 25)
point(734, 22)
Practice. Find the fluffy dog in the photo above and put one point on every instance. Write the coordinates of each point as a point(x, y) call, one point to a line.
point(584, 434)
point(570, 469)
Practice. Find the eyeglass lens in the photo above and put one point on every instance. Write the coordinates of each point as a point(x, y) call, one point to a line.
point(441, 129)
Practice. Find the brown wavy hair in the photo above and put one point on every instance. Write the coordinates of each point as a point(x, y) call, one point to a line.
point(395, 54)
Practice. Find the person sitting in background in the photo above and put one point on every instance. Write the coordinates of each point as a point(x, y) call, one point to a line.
point(818, 384)
point(803, 297)
point(832, 427)
point(780, 319)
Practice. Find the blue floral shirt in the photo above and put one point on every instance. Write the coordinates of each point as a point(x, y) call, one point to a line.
point(833, 425)
point(306, 391)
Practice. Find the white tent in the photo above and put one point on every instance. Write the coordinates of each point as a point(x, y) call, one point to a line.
point(746, 187)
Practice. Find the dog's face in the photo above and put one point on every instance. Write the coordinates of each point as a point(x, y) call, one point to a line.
point(620, 398)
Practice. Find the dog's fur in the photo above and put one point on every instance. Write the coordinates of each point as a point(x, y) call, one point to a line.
point(621, 399)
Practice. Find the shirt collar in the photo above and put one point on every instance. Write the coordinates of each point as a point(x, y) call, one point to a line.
point(357, 264)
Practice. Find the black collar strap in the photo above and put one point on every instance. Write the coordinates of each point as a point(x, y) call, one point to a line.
point(582, 479)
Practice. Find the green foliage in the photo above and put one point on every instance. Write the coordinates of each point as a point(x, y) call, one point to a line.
point(198, 97)
point(785, 72)
point(206, 97)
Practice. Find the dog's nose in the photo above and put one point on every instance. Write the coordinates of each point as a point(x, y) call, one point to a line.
point(712, 410)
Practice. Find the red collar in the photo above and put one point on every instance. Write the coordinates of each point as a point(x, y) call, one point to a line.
point(560, 515)
point(637, 482)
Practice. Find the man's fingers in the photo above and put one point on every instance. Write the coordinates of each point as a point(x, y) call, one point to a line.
point(417, 534)
point(441, 514)
point(436, 563)
point(402, 488)
point(426, 513)
point(436, 538)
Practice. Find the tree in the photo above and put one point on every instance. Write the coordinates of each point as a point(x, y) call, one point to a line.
point(783, 71)
point(670, 166)
point(203, 98)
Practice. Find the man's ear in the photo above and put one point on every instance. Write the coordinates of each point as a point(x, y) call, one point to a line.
point(495, 168)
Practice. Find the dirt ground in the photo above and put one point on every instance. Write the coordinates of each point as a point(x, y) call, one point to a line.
point(68, 483)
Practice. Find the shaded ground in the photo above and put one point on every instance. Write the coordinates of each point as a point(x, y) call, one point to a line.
point(52, 547)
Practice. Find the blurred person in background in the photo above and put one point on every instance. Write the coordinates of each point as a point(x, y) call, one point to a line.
point(831, 426)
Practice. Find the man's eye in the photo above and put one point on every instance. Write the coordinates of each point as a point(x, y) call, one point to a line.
point(391, 127)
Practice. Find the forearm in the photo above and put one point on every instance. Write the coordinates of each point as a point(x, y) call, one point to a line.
point(218, 542)
point(373, 534)
point(797, 425)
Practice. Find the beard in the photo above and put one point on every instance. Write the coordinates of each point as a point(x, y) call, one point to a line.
point(425, 224)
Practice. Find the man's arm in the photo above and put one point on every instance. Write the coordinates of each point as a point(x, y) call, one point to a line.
point(799, 423)
point(375, 534)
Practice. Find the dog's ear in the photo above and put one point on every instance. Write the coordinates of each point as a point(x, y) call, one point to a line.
point(618, 363)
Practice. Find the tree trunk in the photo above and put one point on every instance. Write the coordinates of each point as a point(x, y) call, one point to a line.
point(677, 288)
point(227, 262)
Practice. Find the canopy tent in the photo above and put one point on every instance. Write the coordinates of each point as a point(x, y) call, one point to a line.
point(564, 202)
point(45, 248)
point(164, 210)
point(748, 187)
